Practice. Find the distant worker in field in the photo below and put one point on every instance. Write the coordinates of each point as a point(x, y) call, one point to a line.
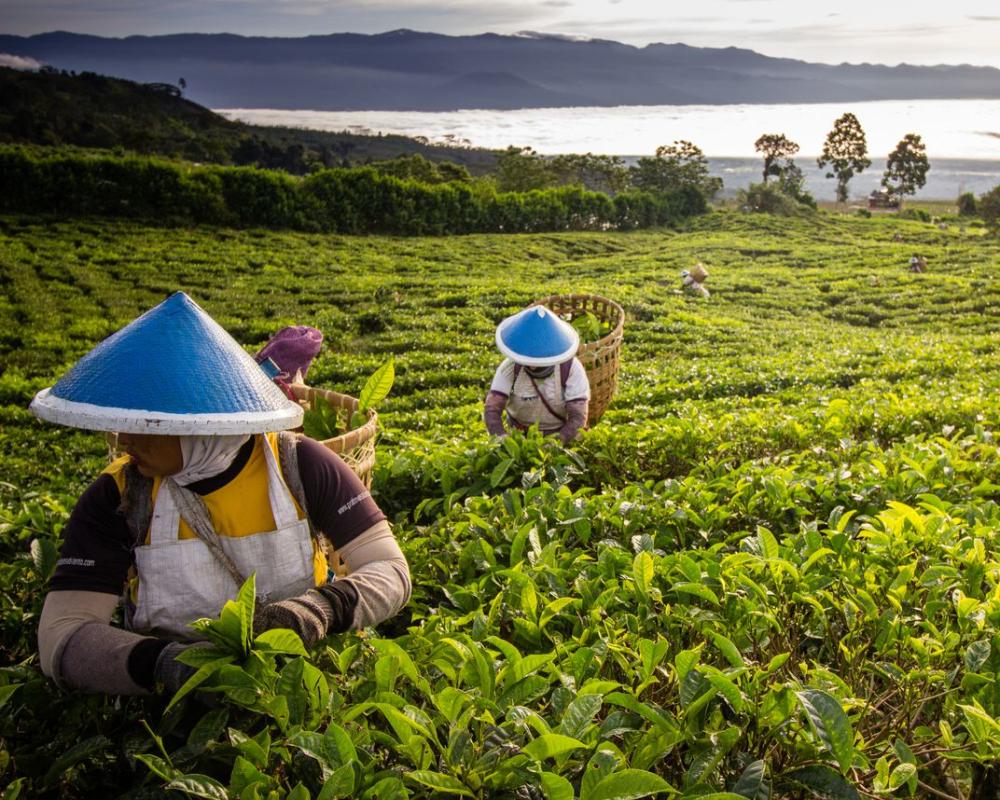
point(540, 382)
point(693, 281)
point(918, 264)
point(207, 493)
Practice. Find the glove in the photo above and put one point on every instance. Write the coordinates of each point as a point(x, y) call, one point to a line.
point(313, 615)
point(170, 673)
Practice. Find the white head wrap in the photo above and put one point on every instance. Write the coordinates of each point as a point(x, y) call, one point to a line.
point(207, 456)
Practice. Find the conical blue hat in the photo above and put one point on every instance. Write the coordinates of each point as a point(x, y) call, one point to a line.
point(174, 370)
point(536, 337)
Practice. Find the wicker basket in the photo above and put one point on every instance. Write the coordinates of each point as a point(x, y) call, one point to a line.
point(356, 447)
point(601, 357)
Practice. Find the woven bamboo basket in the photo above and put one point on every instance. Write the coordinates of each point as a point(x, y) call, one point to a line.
point(356, 447)
point(601, 357)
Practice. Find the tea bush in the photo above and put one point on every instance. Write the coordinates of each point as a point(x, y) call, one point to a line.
point(357, 201)
point(770, 571)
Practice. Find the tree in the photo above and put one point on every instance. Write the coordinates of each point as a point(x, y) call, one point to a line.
point(521, 169)
point(598, 173)
point(989, 208)
point(792, 182)
point(775, 146)
point(846, 151)
point(678, 165)
point(907, 166)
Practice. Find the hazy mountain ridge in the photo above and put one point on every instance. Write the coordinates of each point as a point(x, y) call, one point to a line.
point(408, 70)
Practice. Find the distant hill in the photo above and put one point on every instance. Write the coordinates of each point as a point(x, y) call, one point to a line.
point(95, 111)
point(424, 71)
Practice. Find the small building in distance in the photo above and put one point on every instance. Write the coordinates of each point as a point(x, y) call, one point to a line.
point(883, 198)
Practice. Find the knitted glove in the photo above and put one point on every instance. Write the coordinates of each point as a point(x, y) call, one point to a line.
point(313, 615)
point(170, 673)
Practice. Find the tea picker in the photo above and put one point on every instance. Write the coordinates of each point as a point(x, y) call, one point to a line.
point(693, 281)
point(212, 489)
point(540, 382)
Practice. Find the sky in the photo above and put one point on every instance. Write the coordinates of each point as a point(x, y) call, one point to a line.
point(854, 31)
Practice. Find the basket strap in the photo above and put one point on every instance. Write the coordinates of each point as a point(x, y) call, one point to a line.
point(545, 402)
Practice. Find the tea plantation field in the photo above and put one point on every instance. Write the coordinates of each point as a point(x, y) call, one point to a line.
point(771, 570)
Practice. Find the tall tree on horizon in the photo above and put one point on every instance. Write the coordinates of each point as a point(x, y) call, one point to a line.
point(907, 166)
point(775, 146)
point(846, 151)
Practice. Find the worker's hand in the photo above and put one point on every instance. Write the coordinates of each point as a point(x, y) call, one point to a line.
point(170, 673)
point(313, 615)
point(308, 615)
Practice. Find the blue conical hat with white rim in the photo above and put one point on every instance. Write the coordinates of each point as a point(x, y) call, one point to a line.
point(536, 337)
point(174, 370)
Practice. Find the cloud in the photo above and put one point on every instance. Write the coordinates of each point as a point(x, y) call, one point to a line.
point(557, 3)
point(18, 62)
point(984, 19)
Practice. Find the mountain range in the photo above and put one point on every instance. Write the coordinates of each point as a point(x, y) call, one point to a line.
point(410, 70)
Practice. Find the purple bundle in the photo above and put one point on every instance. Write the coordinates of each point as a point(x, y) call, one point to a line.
point(291, 350)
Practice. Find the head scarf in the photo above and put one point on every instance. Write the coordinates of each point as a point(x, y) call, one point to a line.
point(207, 456)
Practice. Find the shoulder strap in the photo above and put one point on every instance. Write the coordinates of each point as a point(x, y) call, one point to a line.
point(517, 371)
point(545, 402)
point(136, 503)
point(288, 460)
point(564, 369)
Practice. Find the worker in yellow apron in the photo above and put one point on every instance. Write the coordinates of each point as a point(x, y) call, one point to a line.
point(212, 488)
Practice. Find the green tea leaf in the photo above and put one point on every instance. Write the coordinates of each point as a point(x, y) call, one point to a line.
point(822, 782)
point(550, 745)
point(199, 786)
point(280, 640)
point(44, 554)
point(439, 782)
point(377, 386)
point(752, 784)
point(830, 723)
point(628, 785)
point(556, 787)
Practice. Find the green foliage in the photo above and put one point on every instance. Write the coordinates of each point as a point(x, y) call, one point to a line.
point(907, 166)
point(590, 327)
point(359, 201)
point(680, 165)
point(771, 198)
point(846, 151)
point(967, 206)
point(989, 208)
point(770, 571)
point(323, 421)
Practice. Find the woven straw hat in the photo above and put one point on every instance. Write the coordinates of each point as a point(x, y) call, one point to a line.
point(174, 370)
point(536, 337)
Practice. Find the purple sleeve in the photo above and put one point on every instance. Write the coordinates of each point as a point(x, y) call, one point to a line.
point(576, 418)
point(339, 504)
point(96, 553)
point(493, 408)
